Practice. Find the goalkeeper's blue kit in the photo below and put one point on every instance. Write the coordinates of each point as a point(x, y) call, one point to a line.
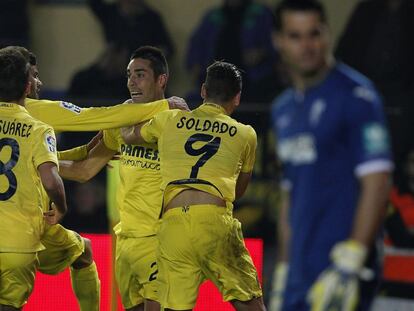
point(327, 137)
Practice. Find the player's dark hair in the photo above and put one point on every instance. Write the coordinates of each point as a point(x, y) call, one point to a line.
point(156, 58)
point(14, 75)
point(298, 6)
point(29, 56)
point(223, 82)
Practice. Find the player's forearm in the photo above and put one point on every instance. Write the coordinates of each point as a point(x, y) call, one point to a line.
point(74, 154)
point(242, 183)
point(55, 189)
point(283, 229)
point(76, 170)
point(371, 207)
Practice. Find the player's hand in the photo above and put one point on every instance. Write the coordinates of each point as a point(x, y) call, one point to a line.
point(94, 141)
point(278, 286)
point(53, 216)
point(337, 287)
point(176, 102)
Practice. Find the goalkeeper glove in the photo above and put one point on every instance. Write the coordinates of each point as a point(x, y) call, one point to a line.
point(337, 287)
point(278, 286)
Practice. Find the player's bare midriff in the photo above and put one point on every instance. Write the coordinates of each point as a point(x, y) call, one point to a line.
point(194, 197)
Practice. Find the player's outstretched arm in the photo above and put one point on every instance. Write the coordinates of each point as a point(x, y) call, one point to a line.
point(55, 189)
point(64, 116)
point(81, 152)
point(84, 170)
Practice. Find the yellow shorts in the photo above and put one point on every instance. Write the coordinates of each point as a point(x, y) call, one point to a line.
point(198, 243)
point(63, 247)
point(17, 274)
point(136, 269)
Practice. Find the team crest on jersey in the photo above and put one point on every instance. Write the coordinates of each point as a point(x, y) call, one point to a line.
point(50, 143)
point(375, 138)
point(71, 107)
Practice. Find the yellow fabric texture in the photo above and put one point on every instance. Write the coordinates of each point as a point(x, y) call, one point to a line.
point(198, 243)
point(74, 154)
point(64, 116)
point(213, 141)
point(25, 143)
point(136, 269)
point(17, 274)
point(63, 247)
point(139, 195)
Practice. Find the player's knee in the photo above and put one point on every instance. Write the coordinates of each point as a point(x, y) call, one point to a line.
point(86, 258)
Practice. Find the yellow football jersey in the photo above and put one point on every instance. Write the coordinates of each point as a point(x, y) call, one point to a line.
point(25, 143)
point(204, 144)
point(64, 116)
point(139, 196)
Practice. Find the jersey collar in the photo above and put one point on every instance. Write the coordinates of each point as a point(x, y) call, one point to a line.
point(13, 106)
point(213, 108)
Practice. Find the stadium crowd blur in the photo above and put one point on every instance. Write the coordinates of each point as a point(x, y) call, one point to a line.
point(377, 41)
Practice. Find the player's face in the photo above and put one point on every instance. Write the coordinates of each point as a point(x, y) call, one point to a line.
point(303, 42)
point(142, 84)
point(36, 84)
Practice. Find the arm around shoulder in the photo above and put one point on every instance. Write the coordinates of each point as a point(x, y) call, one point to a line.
point(53, 185)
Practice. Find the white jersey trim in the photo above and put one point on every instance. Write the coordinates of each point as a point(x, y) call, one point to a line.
point(373, 166)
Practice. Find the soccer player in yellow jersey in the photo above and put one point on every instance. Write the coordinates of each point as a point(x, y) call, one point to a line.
point(28, 164)
point(65, 248)
point(206, 162)
point(139, 197)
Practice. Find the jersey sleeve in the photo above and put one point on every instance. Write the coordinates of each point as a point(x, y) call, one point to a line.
point(64, 116)
point(44, 148)
point(152, 130)
point(367, 132)
point(109, 139)
point(74, 154)
point(250, 151)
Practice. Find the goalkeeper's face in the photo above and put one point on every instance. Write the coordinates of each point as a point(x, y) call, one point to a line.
point(143, 86)
point(36, 84)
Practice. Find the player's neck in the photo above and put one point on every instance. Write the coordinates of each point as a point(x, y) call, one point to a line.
point(303, 82)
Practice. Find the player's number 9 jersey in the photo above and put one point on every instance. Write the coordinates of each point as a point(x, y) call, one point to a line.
point(204, 144)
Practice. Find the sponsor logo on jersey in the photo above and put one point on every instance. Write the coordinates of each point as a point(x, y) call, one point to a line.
point(283, 122)
point(50, 142)
point(298, 150)
point(140, 152)
point(364, 93)
point(375, 138)
point(318, 107)
point(71, 107)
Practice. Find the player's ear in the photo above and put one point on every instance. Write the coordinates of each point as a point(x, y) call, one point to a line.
point(203, 91)
point(236, 99)
point(162, 80)
point(28, 88)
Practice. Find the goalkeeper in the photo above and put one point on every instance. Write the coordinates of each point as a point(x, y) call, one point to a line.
point(334, 149)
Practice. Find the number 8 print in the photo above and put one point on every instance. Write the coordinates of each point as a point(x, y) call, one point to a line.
point(6, 168)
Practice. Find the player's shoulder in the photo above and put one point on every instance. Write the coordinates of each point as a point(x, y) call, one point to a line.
point(281, 102)
point(168, 114)
point(354, 85)
point(246, 131)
